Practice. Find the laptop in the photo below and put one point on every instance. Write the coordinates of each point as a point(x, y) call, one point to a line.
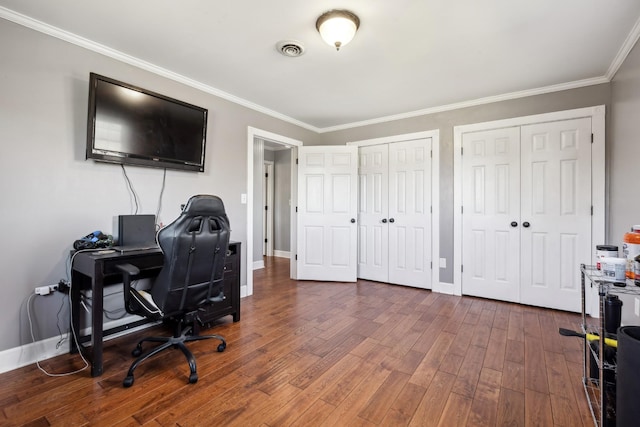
point(136, 233)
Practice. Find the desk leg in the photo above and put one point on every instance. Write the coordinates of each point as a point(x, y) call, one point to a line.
point(97, 293)
point(76, 283)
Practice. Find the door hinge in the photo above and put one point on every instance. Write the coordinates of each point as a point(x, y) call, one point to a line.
point(296, 257)
point(431, 209)
point(591, 210)
point(592, 138)
point(266, 208)
point(461, 209)
point(296, 209)
point(265, 240)
point(431, 154)
point(462, 151)
point(431, 265)
point(461, 268)
point(266, 175)
point(296, 160)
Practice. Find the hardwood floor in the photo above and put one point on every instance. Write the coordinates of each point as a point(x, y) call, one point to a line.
point(325, 354)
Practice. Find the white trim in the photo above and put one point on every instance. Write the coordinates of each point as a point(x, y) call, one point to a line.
point(58, 33)
point(436, 286)
point(77, 40)
point(622, 54)
point(257, 265)
point(252, 134)
point(598, 234)
point(473, 103)
point(17, 357)
point(282, 254)
point(446, 288)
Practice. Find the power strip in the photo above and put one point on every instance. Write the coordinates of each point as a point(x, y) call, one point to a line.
point(46, 290)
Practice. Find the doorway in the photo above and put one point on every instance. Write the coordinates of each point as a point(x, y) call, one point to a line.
point(257, 140)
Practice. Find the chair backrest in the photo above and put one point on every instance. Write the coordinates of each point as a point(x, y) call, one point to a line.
point(194, 248)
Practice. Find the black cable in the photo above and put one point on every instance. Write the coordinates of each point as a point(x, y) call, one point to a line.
point(131, 189)
point(63, 338)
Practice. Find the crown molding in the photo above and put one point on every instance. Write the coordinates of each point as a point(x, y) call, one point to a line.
point(624, 51)
point(42, 27)
point(77, 40)
point(473, 103)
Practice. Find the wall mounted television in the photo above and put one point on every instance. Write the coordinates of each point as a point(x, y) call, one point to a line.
point(134, 126)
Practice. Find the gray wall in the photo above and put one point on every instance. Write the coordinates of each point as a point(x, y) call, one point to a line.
point(623, 160)
point(50, 195)
point(446, 120)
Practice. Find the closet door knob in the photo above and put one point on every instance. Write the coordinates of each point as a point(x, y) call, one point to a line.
point(514, 224)
point(526, 224)
point(353, 220)
point(392, 220)
point(384, 220)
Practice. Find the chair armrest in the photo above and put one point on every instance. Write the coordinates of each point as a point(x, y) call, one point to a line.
point(128, 269)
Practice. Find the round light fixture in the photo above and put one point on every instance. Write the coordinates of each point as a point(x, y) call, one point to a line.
point(337, 27)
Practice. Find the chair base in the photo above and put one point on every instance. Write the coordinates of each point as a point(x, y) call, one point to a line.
point(169, 342)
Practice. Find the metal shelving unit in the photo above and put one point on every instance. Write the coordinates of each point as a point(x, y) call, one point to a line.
point(596, 394)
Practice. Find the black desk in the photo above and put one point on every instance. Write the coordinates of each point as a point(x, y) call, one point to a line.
point(93, 270)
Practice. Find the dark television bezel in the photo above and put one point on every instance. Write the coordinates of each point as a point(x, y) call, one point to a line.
point(129, 158)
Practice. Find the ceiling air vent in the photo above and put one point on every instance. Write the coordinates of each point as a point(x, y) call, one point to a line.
point(290, 48)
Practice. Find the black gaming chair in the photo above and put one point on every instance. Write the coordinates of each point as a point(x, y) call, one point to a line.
point(194, 248)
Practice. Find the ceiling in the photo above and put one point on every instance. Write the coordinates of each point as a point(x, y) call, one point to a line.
point(409, 57)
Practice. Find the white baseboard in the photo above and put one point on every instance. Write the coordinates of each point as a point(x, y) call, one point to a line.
point(27, 354)
point(257, 265)
point(282, 254)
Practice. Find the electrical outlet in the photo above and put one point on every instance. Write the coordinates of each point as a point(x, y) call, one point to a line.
point(243, 198)
point(636, 308)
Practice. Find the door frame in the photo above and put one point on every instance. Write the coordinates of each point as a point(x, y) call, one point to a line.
point(252, 134)
point(598, 229)
point(434, 134)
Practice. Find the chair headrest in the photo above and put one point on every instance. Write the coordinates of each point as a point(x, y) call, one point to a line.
point(204, 204)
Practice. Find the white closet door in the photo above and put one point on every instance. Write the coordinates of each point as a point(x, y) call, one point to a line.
point(410, 213)
point(556, 205)
point(491, 214)
point(373, 213)
point(327, 210)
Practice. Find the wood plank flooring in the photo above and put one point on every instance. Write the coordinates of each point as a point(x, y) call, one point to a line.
point(330, 354)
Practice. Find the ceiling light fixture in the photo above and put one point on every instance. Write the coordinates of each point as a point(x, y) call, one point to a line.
point(337, 27)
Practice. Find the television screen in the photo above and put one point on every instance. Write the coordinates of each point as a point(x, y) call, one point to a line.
point(130, 125)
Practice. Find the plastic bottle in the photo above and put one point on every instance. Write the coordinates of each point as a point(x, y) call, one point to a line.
point(612, 313)
point(631, 249)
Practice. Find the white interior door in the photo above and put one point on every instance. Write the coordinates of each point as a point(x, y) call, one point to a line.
point(373, 213)
point(556, 212)
point(491, 214)
point(268, 196)
point(327, 199)
point(410, 213)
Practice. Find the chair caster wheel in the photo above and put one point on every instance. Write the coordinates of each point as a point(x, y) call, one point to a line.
point(193, 378)
point(221, 347)
point(128, 382)
point(136, 351)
